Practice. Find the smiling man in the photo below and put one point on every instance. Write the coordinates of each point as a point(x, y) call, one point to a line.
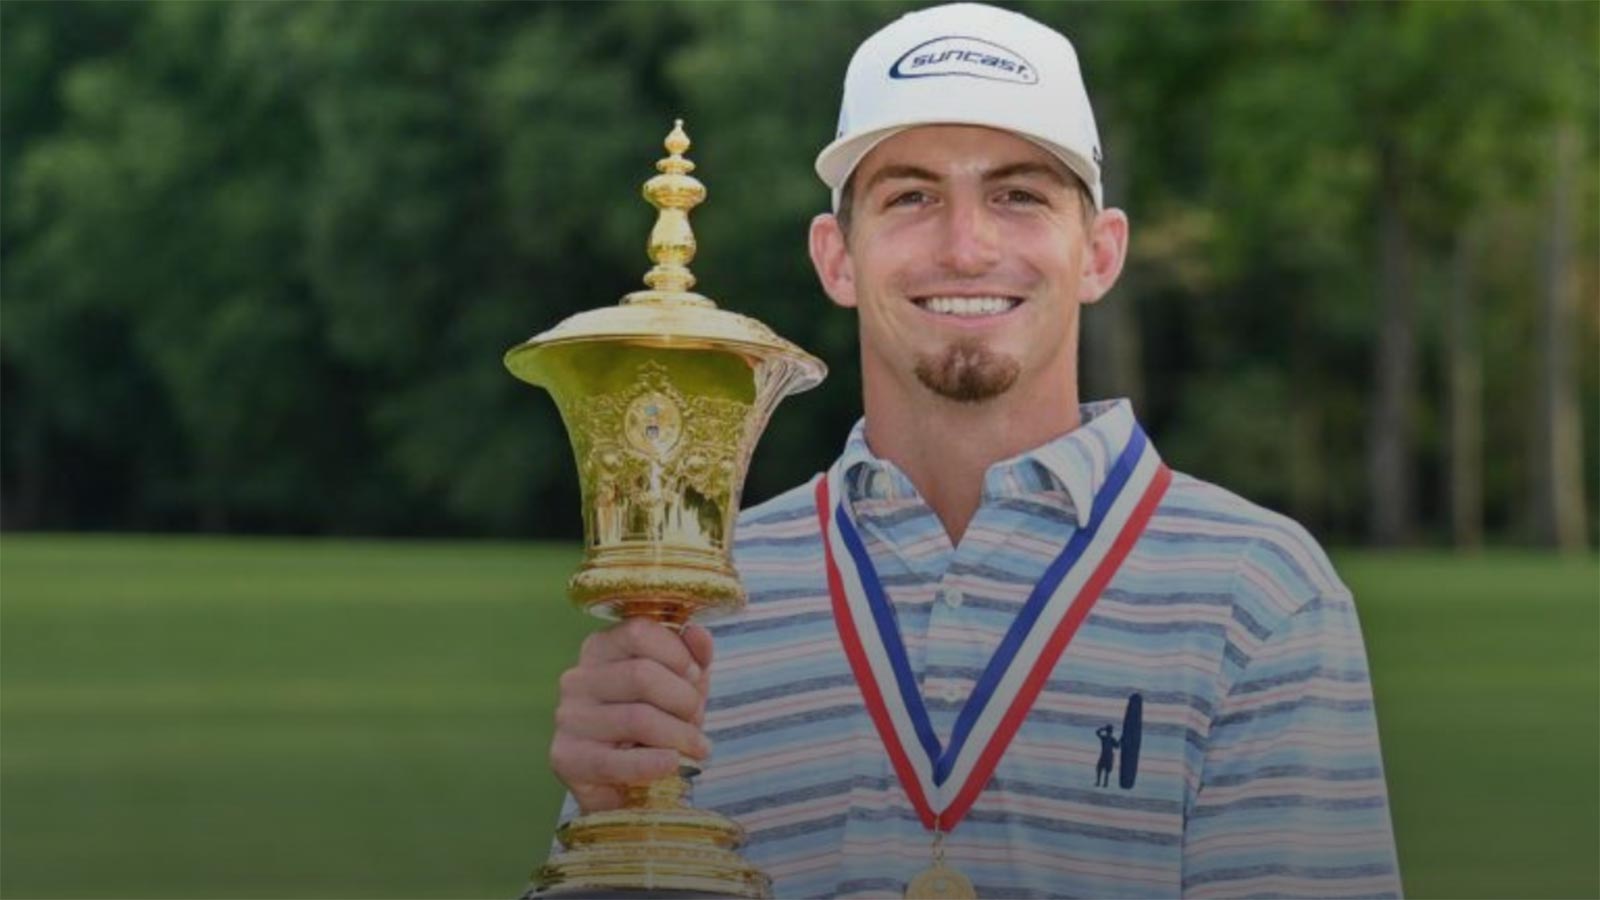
point(999, 648)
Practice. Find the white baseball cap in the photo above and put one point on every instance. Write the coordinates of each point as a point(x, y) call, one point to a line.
point(965, 64)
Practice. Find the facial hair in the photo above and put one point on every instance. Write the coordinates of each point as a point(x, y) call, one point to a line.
point(967, 371)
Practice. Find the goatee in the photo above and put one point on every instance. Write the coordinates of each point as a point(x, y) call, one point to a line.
point(967, 372)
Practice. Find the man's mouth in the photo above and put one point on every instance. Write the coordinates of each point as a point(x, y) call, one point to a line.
point(968, 307)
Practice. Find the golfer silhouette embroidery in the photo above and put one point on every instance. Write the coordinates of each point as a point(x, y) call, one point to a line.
point(1108, 745)
point(1132, 732)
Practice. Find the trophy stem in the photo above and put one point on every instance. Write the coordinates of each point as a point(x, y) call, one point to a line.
point(670, 612)
point(671, 792)
point(656, 844)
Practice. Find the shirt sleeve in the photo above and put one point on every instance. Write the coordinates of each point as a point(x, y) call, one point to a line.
point(1291, 800)
point(569, 811)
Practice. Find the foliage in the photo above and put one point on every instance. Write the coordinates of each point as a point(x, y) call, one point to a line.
point(260, 261)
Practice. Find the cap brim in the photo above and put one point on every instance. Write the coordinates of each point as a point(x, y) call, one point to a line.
point(840, 158)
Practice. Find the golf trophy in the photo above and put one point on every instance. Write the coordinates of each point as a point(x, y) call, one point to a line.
point(664, 397)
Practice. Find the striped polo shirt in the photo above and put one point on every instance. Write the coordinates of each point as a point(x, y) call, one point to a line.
point(1208, 731)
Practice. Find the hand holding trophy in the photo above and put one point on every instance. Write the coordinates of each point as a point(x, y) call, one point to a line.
point(664, 398)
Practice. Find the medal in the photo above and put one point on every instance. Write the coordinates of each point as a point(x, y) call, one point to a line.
point(942, 782)
point(939, 881)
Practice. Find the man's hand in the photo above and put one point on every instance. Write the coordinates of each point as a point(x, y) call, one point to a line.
point(636, 698)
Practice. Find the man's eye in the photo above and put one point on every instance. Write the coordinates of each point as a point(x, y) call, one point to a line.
point(1020, 196)
point(908, 198)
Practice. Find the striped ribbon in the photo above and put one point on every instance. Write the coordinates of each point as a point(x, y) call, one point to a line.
point(942, 782)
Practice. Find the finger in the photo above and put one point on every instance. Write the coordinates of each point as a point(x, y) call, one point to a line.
point(587, 765)
point(593, 798)
point(638, 637)
point(632, 681)
point(631, 723)
point(698, 640)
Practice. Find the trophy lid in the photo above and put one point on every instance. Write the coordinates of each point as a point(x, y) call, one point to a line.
point(668, 313)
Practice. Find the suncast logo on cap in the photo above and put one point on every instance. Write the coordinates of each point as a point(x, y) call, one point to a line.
point(969, 56)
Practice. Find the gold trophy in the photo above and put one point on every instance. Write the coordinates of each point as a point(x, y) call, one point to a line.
point(664, 397)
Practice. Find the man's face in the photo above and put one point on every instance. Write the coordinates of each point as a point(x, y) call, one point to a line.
point(968, 254)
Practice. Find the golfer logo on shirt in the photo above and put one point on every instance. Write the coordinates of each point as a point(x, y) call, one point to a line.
point(1128, 765)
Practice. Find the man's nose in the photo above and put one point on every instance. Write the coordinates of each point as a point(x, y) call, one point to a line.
point(971, 243)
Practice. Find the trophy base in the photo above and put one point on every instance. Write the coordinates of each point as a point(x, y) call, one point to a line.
point(682, 852)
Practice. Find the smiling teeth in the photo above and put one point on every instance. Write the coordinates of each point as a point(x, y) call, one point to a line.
point(968, 306)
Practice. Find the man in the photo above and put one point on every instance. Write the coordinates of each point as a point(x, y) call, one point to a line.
point(942, 625)
point(1108, 745)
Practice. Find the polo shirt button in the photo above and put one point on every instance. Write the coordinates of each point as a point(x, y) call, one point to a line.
point(951, 596)
point(952, 693)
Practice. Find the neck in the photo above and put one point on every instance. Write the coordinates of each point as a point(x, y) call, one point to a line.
point(945, 447)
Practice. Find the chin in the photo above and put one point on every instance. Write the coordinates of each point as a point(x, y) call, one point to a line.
point(968, 371)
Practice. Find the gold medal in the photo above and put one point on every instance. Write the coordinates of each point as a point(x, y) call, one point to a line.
point(940, 882)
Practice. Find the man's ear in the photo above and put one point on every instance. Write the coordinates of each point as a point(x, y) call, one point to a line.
point(1106, 252)
point(831, 258)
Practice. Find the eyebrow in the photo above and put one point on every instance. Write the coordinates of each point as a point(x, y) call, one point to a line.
point(1021, 169)
point(892, 172)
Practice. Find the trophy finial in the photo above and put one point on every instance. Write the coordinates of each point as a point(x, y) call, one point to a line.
point(676, 143)
point(673, 193)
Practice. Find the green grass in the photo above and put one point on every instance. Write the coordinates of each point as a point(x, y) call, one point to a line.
point(259, 718)
point(210, 718)
point(1487, 676)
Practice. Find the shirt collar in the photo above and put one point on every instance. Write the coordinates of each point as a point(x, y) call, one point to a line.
point(1075, 463)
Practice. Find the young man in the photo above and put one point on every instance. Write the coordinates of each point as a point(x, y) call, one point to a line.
point(947, 628)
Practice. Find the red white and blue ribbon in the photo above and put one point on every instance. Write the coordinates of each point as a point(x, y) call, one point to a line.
point(941, 781)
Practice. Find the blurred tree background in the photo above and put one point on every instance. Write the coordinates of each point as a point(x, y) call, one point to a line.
point(259, 262)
